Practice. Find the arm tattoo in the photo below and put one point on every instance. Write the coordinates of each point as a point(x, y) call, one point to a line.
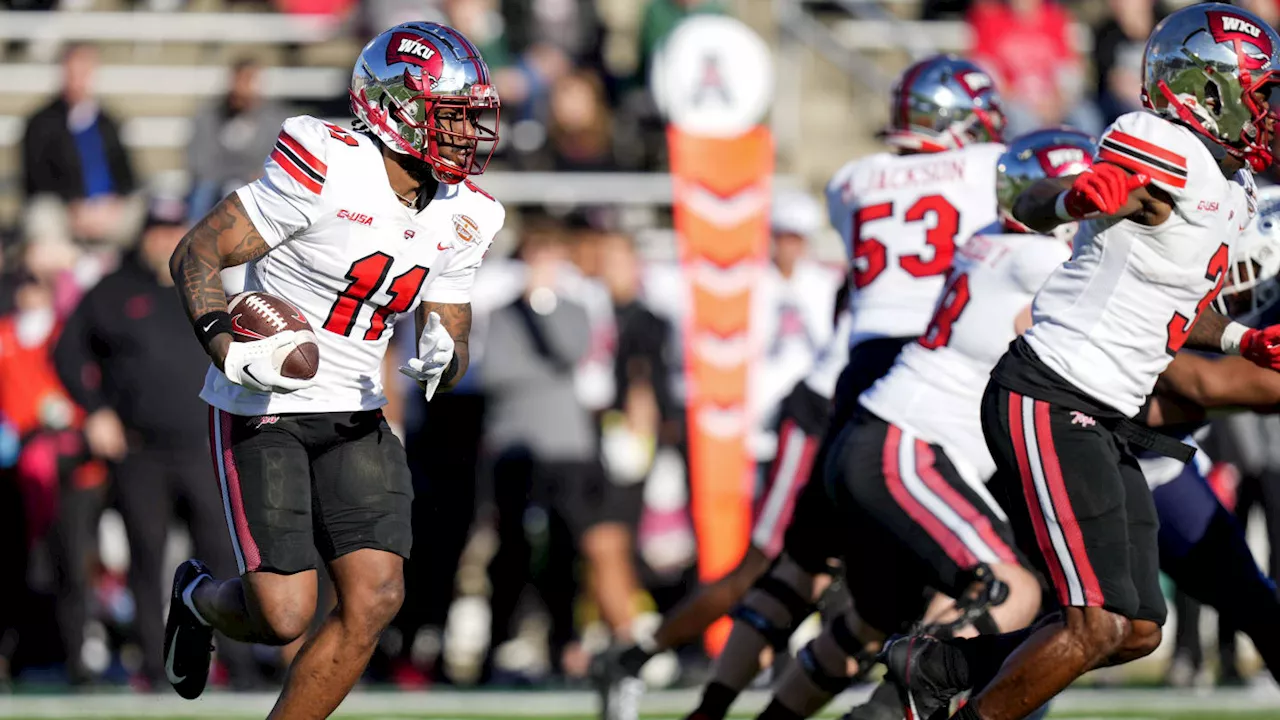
point(456, 319)
point(1206, 334)
point(224, 238)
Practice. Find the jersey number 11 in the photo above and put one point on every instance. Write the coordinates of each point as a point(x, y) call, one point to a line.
point(367, 275)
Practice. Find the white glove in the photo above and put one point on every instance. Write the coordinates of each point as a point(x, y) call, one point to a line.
point(253, 364)
point(435, 352)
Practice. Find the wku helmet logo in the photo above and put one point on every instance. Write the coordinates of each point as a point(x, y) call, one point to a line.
point(1063, 160)
point(976, 82)
point(415, 49)
point(1226, 27)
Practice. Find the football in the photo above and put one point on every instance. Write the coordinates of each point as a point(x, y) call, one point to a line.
point(258, 315)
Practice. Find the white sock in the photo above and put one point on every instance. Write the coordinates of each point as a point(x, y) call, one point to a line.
point(186, 598)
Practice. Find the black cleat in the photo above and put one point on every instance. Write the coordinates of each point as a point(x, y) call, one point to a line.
point(188, 644)
point(917, 672)
point(619, 690)
point(884, 704)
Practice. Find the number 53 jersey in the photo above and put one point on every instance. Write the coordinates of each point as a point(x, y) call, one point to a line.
point(902, 218)
point(352, 258)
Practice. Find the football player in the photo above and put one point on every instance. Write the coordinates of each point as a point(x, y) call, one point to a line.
point(902, 214)
point(354, 229)
point(908, 472)
point(1171, 190)
point(1202, 546)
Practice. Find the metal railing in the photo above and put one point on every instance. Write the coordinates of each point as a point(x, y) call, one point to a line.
point(159, 27)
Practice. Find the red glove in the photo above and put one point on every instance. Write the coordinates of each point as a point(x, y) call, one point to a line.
point(1262, 347)
point(1102, 189)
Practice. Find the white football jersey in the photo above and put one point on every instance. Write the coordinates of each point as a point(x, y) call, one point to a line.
point(1110, 320)
point(352, 258)
point(902, 218)
point(935, 387)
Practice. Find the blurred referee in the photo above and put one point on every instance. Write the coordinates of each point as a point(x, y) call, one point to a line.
point(128, 358)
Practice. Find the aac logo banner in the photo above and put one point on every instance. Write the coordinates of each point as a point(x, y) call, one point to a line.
point(714, 80)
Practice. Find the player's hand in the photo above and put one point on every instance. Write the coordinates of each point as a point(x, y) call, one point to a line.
point(1262, 347)
point(1101, 190)
point(435, 352)
point(252, 364)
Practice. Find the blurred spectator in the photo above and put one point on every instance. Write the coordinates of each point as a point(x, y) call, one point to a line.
point(661, 16)
point(547, 461)
point(791, 313)
point(944, 9)
point(571, 25)
point(29, 4)
point(72, 149)
point(128, 358)
point(643, 361)
point(30, 394)
point(482, 24)
point(1118, 44)
point(1027, 47)
point(580, 127)
point(580, 283)
point(641, 433)
point(60, 491)
point(336, 8)
point(230, 137)
point(378, 15)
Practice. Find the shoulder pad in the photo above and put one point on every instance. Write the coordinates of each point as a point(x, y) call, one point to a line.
point(300, 150)
point(1143, 142)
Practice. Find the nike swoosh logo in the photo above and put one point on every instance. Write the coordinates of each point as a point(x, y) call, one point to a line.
point(441, 247)
point(206, 327)
point(174, 678)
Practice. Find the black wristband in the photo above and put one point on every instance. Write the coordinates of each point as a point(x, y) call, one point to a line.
point(212, 324)
point(450, 372)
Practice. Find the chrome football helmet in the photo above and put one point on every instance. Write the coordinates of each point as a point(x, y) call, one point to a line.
point(424, 91)
point(1251, 286)
point(1202, 66)
point(1049, 153)
point(942, 103)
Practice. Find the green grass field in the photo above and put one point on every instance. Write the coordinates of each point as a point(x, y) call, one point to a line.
point(1261, 702)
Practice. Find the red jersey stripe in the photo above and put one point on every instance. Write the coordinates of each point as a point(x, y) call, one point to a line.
point(306, 157)
point(295, 172)
point(1143, 146)
point(1132, 163)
